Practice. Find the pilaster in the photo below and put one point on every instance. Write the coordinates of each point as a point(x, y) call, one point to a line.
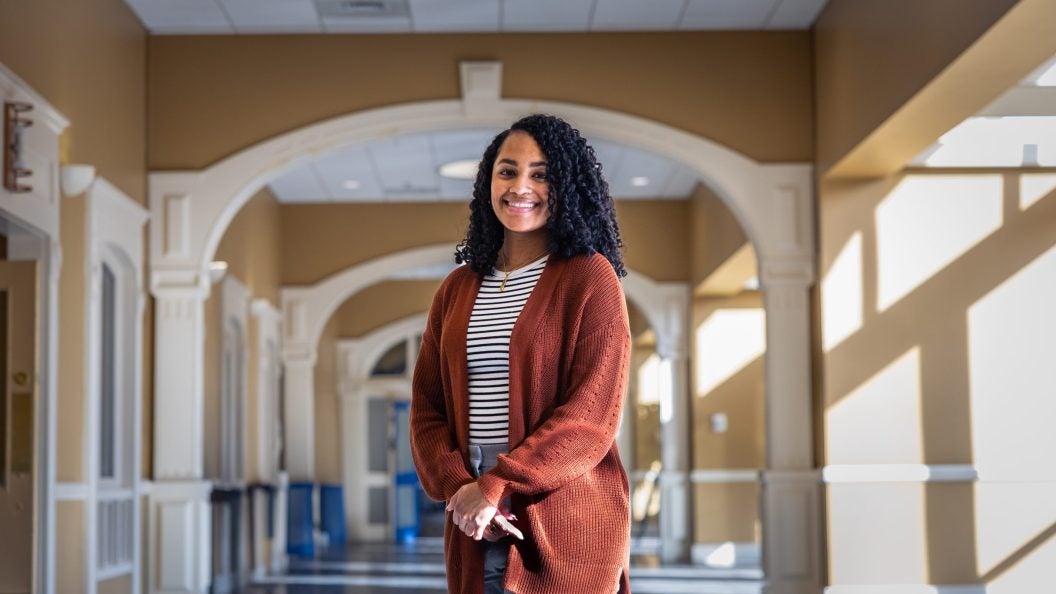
point(791, 486)
point(179, 499)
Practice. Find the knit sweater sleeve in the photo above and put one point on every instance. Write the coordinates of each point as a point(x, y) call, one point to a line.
point(441, 468)
point(582, 429)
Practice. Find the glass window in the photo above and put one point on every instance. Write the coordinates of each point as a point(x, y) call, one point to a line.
point(393, 362)
point(378, 434)
point(107, 377)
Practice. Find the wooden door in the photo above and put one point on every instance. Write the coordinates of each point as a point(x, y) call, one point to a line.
point(18, 390)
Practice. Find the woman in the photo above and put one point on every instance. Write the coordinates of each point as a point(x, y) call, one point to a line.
point(520, 381)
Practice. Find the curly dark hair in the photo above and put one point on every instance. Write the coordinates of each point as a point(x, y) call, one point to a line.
point(582, 218)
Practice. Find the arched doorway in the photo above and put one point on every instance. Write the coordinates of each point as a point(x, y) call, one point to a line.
point(772, 203)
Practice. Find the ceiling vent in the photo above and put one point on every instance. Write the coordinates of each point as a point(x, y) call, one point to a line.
point(361, 9)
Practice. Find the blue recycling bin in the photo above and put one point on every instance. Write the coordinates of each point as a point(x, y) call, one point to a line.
point(332, 513)
point(299, 540)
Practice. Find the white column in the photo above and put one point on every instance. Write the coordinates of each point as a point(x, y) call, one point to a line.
point(791, 503)
point(353, 438)
point(299, 365)
point(179, 500)
point(675, 414)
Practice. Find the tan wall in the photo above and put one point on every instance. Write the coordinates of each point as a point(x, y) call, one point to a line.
point(656, 237)
point(728, 511)
point(212, 96)
point(717, 237)
point(383, 303)
point(327, 408)
point(931, 356)
point(742, 398)
point(71, 414)
point(88, 59)
point(321, 239)
point(70, 553)
point(872, 56)
point(252, 246)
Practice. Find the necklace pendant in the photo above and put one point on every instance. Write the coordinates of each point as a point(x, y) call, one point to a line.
point(502, 285)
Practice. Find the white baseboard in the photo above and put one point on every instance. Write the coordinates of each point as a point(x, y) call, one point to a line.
point(726, 554)
point(907, 589)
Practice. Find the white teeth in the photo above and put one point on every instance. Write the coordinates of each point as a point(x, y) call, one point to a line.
point(522, 204)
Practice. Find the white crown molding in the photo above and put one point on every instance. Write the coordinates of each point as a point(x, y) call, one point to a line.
point(12, 87)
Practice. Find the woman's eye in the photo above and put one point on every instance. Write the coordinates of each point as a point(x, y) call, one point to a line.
point(505, 172)
point(541, 176)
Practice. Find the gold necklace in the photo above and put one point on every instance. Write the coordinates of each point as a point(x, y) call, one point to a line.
point(506, 273)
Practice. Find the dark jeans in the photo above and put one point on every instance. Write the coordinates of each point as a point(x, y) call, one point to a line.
point(481, 459)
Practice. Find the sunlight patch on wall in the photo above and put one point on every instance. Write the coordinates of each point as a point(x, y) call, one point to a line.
point(1012, 374)
point(841, 295)
point(880, 421)
point(1008, 517)
point(649, 381)
point(1010, 141)
point(877, 535)
point(927, 222)
point(727, 342)
point(1036, 572)
point(1034, 187)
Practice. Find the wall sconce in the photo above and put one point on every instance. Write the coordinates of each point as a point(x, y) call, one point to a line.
point(75, 179)
point(217, 270)
point(14, 128)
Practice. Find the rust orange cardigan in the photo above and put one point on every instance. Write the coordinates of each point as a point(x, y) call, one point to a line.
point(569, 359)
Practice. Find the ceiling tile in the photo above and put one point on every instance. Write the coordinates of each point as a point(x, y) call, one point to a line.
point(795, 14)
point(299, 184)
point(639, 163)
point(454, 15)
point(681, 182)
point(636, 14)
point(191, 16)
point(456, 145)
point(256, 15)
point(610, 155)
point(546, 15)
point(349, 163)
point(726, 14)
point(405, 165)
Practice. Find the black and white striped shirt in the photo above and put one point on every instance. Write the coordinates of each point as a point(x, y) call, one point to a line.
point(488, 351)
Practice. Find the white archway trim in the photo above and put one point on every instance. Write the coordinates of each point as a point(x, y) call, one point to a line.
point(307, 309)
point(773, 203)
point(357, 356)
point(195, 207)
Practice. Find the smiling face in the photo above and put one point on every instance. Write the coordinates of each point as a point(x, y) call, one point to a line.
point(519, 190)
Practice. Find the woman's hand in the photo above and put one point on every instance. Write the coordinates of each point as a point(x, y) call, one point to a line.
point(470, 511)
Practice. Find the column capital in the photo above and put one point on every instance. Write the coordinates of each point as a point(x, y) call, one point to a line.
point(790, 273)
point(297, 353)
point(179, 283)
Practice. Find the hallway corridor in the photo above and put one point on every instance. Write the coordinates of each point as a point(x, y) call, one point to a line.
point(398, 569)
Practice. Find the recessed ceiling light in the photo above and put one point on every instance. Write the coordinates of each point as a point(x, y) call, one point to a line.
point(639, 181)
point(464, 169)
point(350, 184)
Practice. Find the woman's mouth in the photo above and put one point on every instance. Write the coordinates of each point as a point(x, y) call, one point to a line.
point(520, 206)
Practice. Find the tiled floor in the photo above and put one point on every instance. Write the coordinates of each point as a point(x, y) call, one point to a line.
point(419, 569)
